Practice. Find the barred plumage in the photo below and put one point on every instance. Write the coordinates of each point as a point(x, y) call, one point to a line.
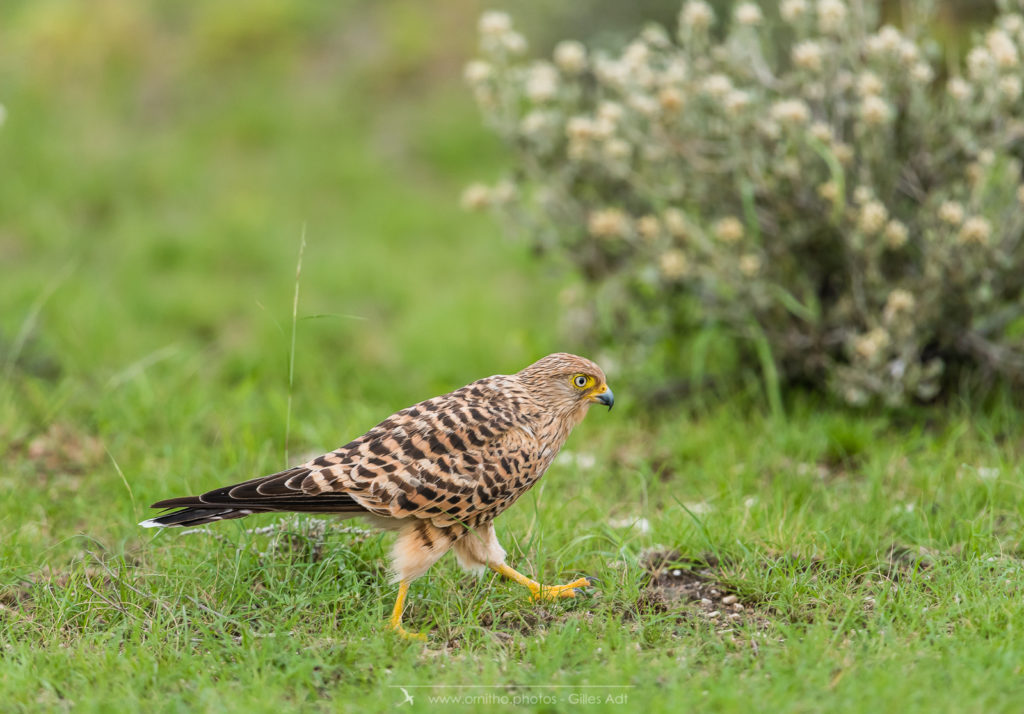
point(438, 472)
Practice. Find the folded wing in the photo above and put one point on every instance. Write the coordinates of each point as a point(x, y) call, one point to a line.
point(447, 459)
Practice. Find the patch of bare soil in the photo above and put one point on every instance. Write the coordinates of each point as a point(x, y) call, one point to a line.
point(694, 588)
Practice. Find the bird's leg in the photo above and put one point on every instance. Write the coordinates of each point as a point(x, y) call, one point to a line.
point(395, 623)
point(549, 592)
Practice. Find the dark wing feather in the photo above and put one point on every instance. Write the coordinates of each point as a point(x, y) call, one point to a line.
point(448, 459)
point(276, 492)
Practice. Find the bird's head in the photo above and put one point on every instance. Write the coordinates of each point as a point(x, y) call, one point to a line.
point(568, 383)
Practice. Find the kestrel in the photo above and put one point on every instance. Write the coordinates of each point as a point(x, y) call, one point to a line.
point(438, 472)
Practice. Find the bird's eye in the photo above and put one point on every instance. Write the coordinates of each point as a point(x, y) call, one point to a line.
point(580, 381)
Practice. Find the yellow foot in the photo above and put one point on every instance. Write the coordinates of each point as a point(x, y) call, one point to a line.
point(397, 628)
point(395, 623)
point(551, 592)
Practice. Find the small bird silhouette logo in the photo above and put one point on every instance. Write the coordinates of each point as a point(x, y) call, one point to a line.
point(408, 697)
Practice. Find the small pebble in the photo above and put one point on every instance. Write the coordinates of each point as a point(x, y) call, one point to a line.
point(676, 573)
point(734, 616)
point(729, 600)
point(705, 602)
point(738, 606)
point(713, 614)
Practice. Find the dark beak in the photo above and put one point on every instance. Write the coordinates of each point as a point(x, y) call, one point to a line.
point(606, 397)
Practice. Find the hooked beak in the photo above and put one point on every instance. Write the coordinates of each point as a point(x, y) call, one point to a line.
point(604, 397)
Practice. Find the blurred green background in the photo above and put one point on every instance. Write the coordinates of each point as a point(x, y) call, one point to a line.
point(164, 159)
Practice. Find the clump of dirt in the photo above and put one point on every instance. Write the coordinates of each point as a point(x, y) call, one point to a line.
point(694, 587)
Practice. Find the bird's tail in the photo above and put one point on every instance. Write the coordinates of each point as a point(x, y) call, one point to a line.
point(277, 492)
point(198, 516)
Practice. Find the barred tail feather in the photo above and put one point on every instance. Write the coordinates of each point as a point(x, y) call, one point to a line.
point(197, 516)
point(277, 492)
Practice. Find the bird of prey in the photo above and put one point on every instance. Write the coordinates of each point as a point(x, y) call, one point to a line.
point(438, 472)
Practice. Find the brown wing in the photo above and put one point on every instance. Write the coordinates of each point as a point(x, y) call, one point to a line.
point(446, 459)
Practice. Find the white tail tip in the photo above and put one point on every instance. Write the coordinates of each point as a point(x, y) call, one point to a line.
point(151, 523)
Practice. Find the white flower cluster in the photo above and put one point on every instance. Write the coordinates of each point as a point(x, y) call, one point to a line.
point(870, 224)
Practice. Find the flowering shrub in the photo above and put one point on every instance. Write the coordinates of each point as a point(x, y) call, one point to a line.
point(826, 191)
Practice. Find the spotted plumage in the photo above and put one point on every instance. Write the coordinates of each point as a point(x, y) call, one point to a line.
point(438, 472)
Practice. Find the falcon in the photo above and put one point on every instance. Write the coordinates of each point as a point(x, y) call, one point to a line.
point(438, 472)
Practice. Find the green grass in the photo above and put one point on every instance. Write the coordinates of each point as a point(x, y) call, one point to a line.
point(160, 174)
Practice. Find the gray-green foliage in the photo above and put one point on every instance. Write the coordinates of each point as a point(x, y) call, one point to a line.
point(823, 188)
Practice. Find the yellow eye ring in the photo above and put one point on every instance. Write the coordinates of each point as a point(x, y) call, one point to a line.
point(581, 381)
